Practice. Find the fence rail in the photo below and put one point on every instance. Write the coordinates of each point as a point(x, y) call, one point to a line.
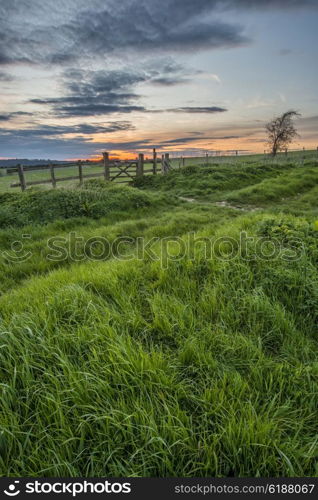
point(121, 171)
point(125, 171)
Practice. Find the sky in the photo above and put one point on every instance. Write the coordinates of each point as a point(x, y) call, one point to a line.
point(80, 77)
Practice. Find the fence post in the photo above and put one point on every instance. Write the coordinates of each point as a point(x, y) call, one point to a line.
point(22, 177)
point(166, 163)
point(162, 164)
point(154, 161)
point(140, 165)
point(53, 176)
point(80, 172)
point(106, 166)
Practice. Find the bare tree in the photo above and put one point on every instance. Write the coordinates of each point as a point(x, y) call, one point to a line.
point(281, 131)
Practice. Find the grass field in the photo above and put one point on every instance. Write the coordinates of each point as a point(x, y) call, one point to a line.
point(169, 362)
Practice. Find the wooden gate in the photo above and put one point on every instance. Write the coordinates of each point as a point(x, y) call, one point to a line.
point(112, 170)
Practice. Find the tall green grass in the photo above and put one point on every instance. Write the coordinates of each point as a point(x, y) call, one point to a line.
point(284, 185)
point(123, 368)
point(94, 200)
point(234, 181)
point(129, 368)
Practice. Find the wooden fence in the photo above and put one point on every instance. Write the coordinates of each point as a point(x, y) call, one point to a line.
point(124, 171)
point(121, 171)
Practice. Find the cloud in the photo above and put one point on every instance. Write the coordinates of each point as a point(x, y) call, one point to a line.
point(72, 107)
point(95, 93)
point(98, 109)
point(166, 72)
point(38, 32)
point(55, 141)
point(195, 109)
point(285, 52)
point(59, 32)
point(106, 92)
point(216, 78)
point(5, 77)
point(8, 116)
point(260, 102)
point(97, 128)
point(267, 4)
point(169, 81)
point(310, 119)
point(85, 131)
point(5, 118)
point(184, 140)
point(175, 25)
point(195, 138)
point(111, 33)
point(61, 141)
point(60, 148)
point(309, 123)
point(145, 32)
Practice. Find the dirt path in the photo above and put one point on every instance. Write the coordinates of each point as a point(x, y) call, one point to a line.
point(189, 200)
point(224, 204)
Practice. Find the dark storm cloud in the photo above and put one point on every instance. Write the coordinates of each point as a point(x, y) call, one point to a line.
point(106, 92)
point(100, 82)
point(36, 32)
point(173, 25)
point(150, 32)
point(59, 32)
point(95, 93)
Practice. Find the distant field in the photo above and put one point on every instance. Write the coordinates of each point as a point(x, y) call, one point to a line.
point(60, 172)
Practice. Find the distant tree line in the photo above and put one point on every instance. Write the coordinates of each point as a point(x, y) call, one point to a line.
point(12, 162)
